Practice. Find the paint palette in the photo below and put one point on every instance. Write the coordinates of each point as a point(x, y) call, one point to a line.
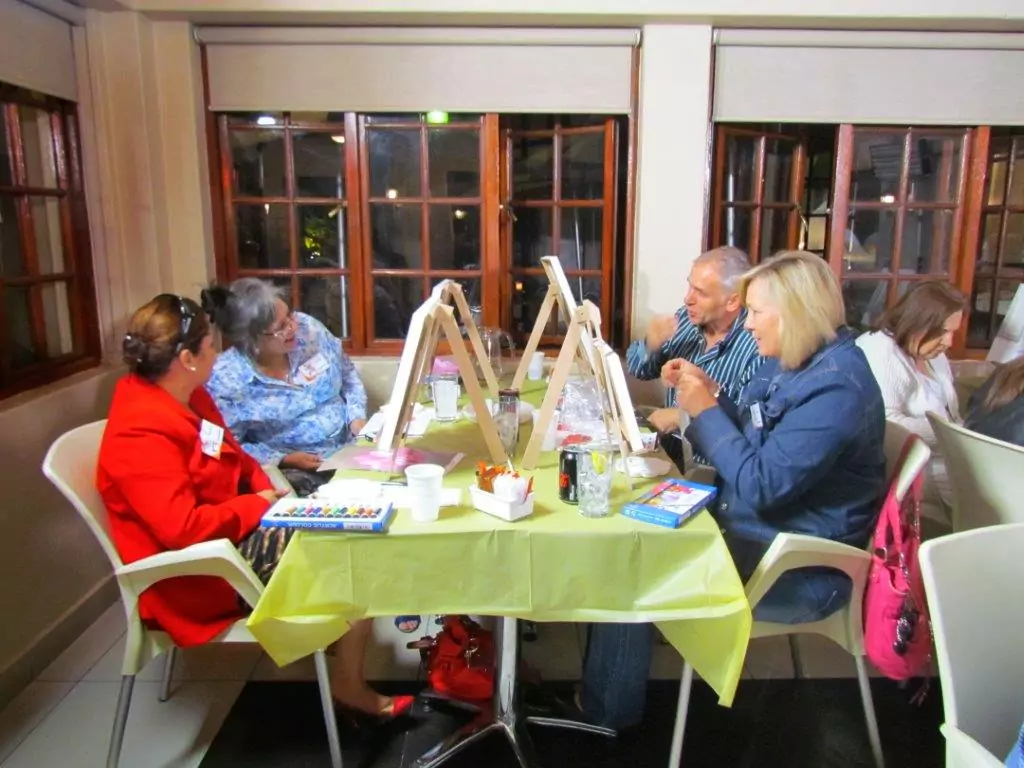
point(320, 514)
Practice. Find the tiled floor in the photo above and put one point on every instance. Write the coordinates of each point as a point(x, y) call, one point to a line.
point(64, 717)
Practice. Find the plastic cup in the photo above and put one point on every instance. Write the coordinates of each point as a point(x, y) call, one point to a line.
point(424, 482)
point(445, 389)
point(535, 371)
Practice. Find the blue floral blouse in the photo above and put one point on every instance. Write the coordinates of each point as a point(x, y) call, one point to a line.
point(310, 412)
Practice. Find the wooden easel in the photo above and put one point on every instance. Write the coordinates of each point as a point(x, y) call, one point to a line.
point(449, 293)
point(428, 322)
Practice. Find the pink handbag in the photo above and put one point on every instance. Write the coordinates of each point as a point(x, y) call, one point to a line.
point(897, 631)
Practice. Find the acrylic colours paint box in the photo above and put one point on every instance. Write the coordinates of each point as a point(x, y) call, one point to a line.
point(328, 515)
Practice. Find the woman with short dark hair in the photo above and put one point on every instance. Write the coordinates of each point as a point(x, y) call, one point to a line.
point(997, 408)
point(907, 353)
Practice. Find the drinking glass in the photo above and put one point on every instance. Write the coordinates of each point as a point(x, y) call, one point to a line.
point(594, 472)
point(445, 390)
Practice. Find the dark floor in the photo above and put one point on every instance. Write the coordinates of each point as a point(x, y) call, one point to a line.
point(813, 723)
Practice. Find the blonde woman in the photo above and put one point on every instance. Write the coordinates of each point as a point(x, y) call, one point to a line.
point(801, 452)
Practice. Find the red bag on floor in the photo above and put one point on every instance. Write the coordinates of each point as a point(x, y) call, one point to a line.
point(897, 631)
point(459, 659)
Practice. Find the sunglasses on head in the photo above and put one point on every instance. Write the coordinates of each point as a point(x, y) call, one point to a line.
point(185, 318)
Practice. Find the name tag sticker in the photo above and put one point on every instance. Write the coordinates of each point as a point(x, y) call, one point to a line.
point(313, 367)
point(211, 438)
point(755, 416)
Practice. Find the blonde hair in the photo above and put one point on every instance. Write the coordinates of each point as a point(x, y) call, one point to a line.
point(805, 292)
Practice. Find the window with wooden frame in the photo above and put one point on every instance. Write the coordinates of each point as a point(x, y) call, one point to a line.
point(48, 325)
point(758, 189)
point(359, 216)
point(999, 258)
point(898, 213)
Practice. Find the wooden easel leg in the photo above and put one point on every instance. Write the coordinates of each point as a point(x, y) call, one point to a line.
point(535, 336)
point(559, 377)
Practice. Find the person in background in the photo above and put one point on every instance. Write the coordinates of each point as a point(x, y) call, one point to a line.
point(707, 331)
point(286, 388)
point(172, 475)
point(802, 451)
point(997, 408)
point(906, 350)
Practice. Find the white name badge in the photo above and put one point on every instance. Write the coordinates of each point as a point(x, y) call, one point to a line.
point(755, 416)
point(313, 367)
point(211, 438)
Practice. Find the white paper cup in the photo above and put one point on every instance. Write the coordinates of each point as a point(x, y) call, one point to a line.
point(425, 488)
point(535, 371)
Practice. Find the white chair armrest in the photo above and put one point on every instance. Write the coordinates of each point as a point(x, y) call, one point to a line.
point(962, 751)
point(217, 558)
point(792, 550)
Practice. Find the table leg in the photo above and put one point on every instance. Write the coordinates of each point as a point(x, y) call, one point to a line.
point(505, 710)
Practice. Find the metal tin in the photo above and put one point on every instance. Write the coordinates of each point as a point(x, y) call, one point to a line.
point(568, 477)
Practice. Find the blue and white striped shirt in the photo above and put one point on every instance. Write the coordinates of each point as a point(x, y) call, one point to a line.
point(731, 362)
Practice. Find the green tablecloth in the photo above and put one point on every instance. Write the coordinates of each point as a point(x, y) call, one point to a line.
point(552, 566)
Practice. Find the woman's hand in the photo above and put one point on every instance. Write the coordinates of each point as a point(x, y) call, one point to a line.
point(670, 372)
point(695, 391)
point(272, 494)
point(357, 426)
point(301, 460)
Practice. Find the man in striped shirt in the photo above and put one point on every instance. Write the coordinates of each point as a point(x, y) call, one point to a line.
point(707, 331)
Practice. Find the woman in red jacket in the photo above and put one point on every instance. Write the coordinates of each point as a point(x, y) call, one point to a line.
point(171, 476)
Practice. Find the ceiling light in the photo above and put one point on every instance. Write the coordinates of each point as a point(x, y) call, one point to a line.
point(888, 199)
point(339, 139)
point(459, 213)
point(391, 194)
point(437, 117)
point(266, 120)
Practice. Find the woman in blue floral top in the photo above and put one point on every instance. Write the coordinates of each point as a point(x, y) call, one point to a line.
point(288, 392)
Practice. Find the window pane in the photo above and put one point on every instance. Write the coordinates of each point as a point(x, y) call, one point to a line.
point(988, 250)
point(1016, 196)
point(935, 169)
point(6, 177)
point(454, 157)
point(583, 166)
point(978, 326)
point(11, 260)
point(45, 212)
point(869, 241)
point(22, 349)
point(1013, 246)
point(528, 292)
point(581, 238)
point(999, 158)
point(394, 301)
point(533, 168)
point(37, 140)
point(926, 237)
point(877, 162)
point(259, 163)
point(470, 288)
point(531, 236)
point(738, 176)
point(319, 165)
point(774, 231)
point(454, 237)
point(57, 314)
point(736, 227)
point(778, 170)
point(395, 237)
point(394, 163)
point(262, 232)
point(321, 231)
point(326, 299)
point(865, 300)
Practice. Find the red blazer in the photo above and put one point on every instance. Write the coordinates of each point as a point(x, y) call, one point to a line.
point(163, 493)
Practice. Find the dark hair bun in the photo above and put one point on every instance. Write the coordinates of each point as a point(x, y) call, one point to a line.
point(216, 301)
point(133, 350)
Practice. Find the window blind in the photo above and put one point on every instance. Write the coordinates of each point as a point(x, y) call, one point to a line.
point(36, 51)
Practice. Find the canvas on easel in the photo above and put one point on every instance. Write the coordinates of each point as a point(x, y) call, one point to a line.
point(428, 322)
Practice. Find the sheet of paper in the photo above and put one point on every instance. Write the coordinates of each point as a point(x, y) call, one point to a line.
point(421, 418)
point(368, 492)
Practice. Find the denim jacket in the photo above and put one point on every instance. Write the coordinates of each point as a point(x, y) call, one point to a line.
point(814, 464)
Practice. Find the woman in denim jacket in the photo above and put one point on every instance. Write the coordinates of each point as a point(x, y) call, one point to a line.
point(802, 452)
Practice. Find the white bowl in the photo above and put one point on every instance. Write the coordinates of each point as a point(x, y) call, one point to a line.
point(505, 510)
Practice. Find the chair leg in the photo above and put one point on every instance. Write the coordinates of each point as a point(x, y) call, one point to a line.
point(869, 711)
point(165, 684)
point(323, 680)
point(682, 708)
point(124, 700)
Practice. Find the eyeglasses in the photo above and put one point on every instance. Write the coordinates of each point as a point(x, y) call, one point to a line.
point(185, 318)
point(289, 324)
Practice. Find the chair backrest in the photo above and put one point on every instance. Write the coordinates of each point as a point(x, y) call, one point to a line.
point(896, 436)
point(70, 464)
point(972, 580)
point(987, 476)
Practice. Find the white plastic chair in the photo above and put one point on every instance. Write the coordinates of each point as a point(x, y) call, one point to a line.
point(987, 476)
point(972, 580)
point(70, 464)
point(964, 752)
point(788, 552)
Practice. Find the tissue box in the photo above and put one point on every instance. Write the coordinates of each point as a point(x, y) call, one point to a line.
point(506, 510)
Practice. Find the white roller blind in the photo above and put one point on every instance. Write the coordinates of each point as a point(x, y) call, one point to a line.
point(416, 70)
point(806, 76)
point(36, 50)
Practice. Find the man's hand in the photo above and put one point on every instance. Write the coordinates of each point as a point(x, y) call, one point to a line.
point(357, 426)
point(300, 460)
point(665, 420)
point(660, 331)
point(272, 494)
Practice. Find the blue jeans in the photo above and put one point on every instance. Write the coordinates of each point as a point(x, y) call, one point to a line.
point(618, 656)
